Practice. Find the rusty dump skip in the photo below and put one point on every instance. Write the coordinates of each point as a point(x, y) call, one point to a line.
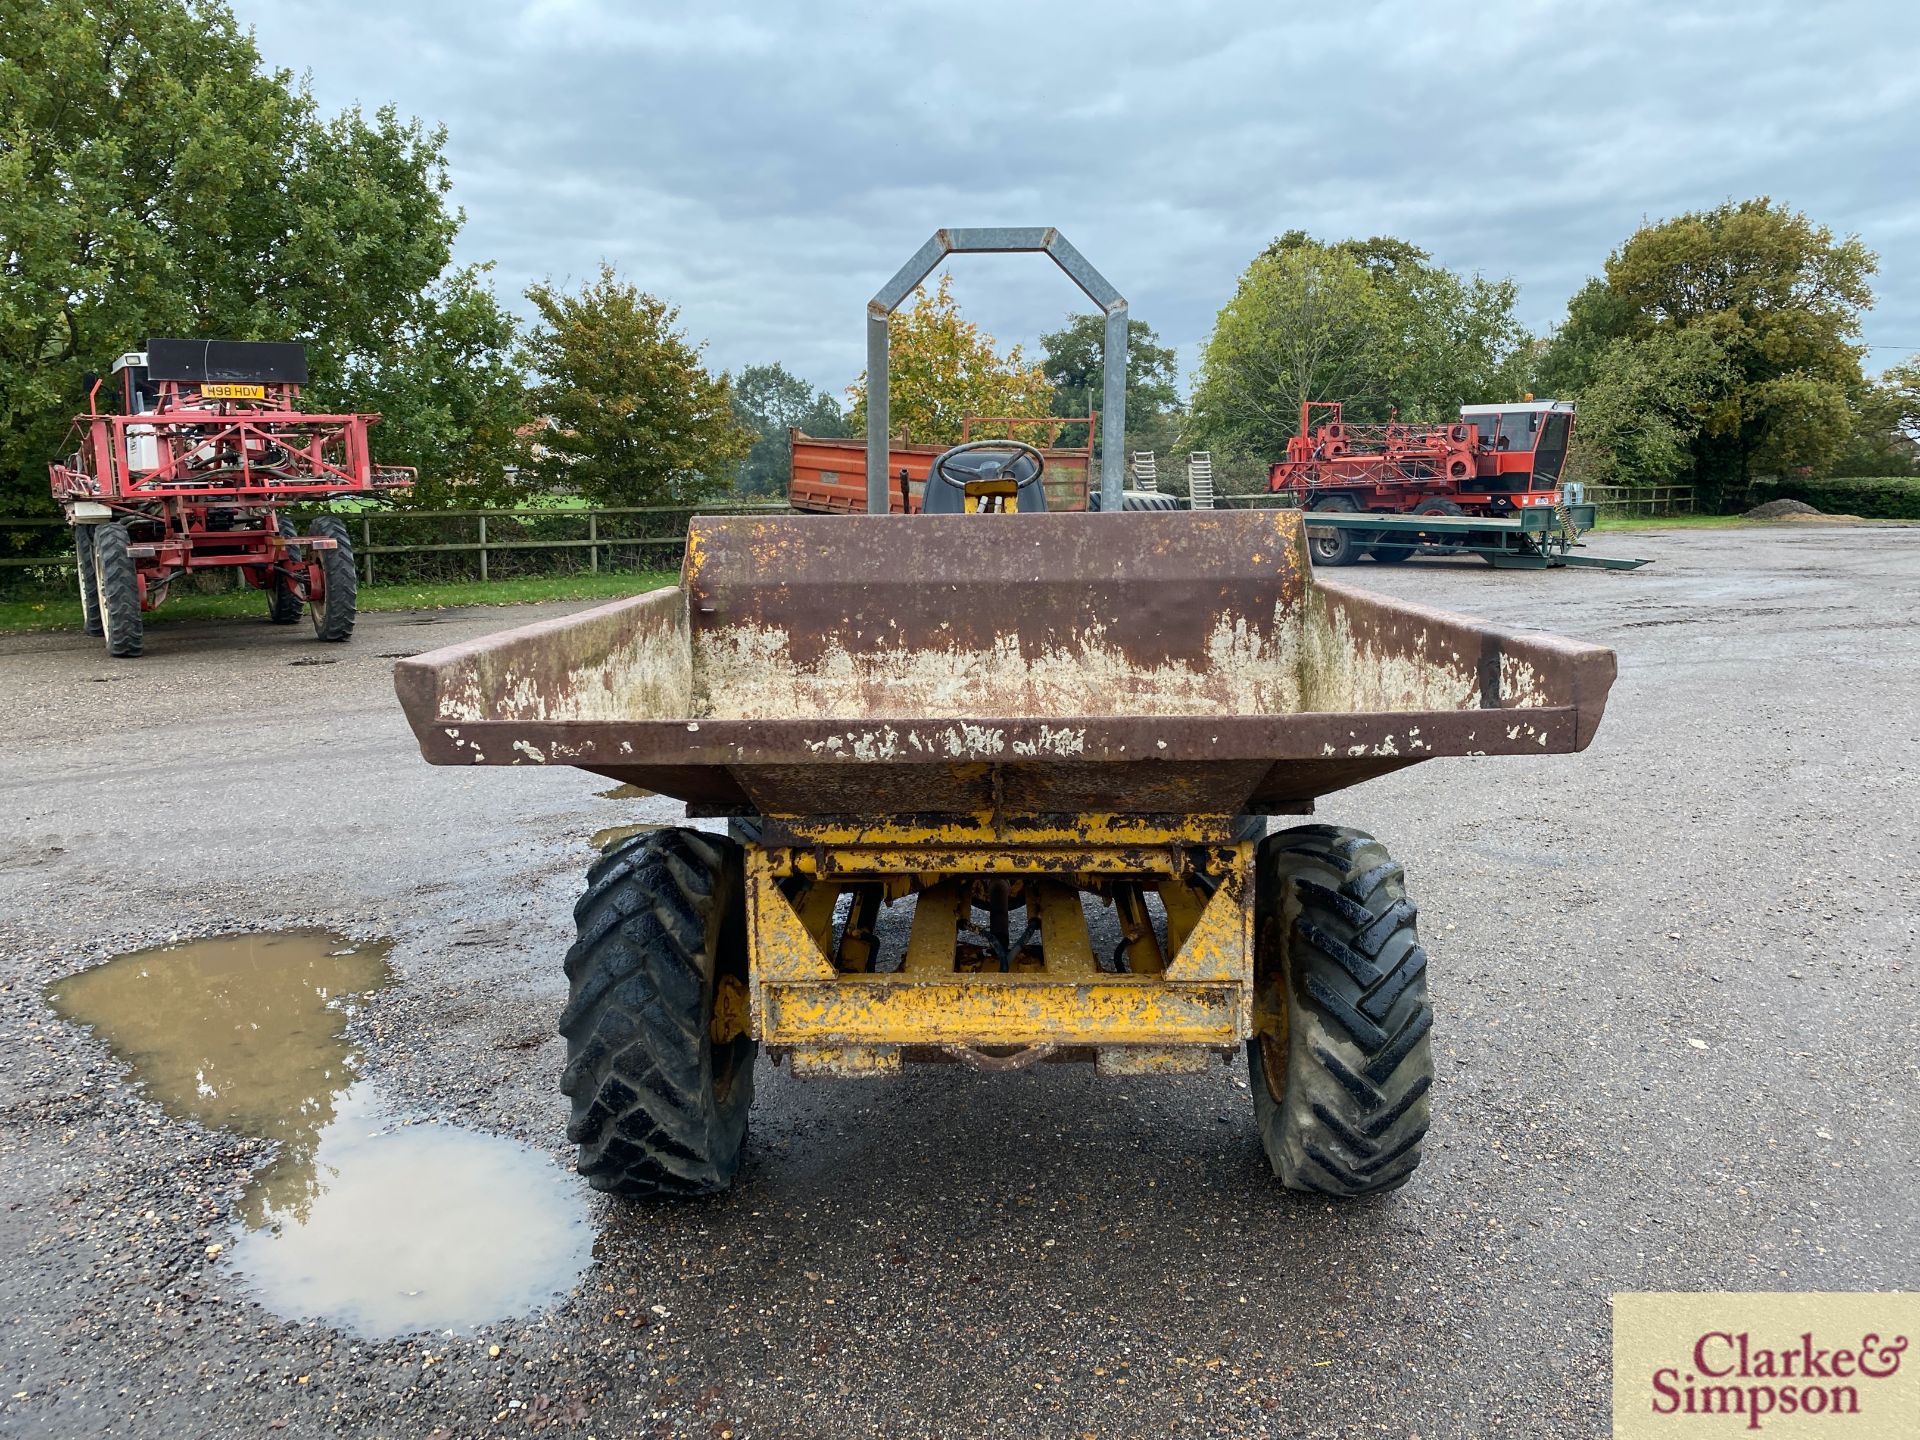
point(1138, 664)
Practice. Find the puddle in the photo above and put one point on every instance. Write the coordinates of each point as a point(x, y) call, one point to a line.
point(357, 1220)
point(626, 792)
point(417, 1227)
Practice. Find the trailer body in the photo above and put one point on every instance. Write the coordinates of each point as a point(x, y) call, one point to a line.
point(829, 474)
point(1090, 706)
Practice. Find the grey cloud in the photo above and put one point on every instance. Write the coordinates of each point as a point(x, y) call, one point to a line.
point(766, 167)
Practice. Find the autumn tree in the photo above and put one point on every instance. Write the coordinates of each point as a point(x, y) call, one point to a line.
point(157, 179)
point(1778, 296)
point(943, 368)
point(632, 416)
point(769, 400)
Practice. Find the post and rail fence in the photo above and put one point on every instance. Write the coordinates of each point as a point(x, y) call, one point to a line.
point(422, 546)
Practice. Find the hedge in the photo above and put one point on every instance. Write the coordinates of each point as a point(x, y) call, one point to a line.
point(1877, 497)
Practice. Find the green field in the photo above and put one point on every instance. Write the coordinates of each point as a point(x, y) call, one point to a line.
point(62, 611)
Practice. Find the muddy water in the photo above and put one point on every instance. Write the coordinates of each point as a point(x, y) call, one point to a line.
point(624, 792)
point(357, 1219)
point(600, 839)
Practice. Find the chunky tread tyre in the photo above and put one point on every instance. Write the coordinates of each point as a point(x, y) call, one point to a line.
point(659, 1109)
point(1341, 1095)
point(284, 600)
point(334, 612)
point(117, 586)
point(89, 583)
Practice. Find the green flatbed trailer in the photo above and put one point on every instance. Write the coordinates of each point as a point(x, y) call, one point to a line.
point(1533, 539)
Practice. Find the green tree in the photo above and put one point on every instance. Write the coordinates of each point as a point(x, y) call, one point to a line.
point(632, 415)
point(1075, 365)
point(769, 400)
point(945, 368)
point(1780, 296)
point(1642, 407)
point(452, 395)
point(1885, 439)
point(155, 179)
point(1371, 323)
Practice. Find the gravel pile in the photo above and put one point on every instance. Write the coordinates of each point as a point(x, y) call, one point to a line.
point(1780, 510)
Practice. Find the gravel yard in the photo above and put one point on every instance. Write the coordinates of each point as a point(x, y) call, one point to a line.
point(1675, 982)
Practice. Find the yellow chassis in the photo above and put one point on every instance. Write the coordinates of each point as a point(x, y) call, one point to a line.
point(814, 996)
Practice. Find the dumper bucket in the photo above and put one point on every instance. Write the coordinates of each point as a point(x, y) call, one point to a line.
point(1052, 664)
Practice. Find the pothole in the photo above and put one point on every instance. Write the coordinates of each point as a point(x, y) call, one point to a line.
point(359, 1219)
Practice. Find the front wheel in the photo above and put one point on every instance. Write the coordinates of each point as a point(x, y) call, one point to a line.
point(117, 591)
point(1341, 1060)
point(89, 585)
point(285, 599)
point(335, 607)
point(659, 1055)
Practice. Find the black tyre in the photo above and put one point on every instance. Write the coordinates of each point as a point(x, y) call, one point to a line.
point(284, 600)
point(1335, 547)
point(659, 1105)
point(1342, 1063)
point(1436, 538)
point(117, 591)
point(89, 584)
point(1391, 554)
point(334, 611)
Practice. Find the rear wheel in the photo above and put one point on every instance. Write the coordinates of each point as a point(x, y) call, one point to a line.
point(89, 585)
point(659, 1061)
point(1436, 538)
point(117, 591)
point(1341, 1060)
point(334, 610)
point(1329, 546)
point(284, 599)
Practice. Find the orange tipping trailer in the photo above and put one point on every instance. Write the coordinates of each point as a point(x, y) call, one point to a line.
point(830, 475)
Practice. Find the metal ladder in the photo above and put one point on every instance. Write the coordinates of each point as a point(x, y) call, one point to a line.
point(1146, 471)
point(1200, 480)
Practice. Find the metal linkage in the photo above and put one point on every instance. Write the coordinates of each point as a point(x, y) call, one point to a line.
point(996, 241)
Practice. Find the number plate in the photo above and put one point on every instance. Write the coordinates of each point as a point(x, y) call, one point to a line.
point(233, 392)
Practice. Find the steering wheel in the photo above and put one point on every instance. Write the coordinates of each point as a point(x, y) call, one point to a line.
point(1013, 460)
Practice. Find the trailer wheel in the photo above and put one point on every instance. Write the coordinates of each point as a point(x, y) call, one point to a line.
point(284, 600)
point(1341, 1062)
point(334, 610)
point(117, 591)
point(1436, 506)
point(1390, 554)
point(89, 584)
point(1328, 546)
point(659, 1103)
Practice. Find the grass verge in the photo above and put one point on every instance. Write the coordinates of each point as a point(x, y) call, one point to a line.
point(62, 611)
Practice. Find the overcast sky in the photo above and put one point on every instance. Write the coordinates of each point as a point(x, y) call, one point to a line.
point(767, 167)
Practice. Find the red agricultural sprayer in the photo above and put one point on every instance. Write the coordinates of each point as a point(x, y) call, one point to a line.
point(194, 473)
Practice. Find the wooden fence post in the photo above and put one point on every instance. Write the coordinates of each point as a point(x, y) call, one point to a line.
point(593, 541)
point(366, 546)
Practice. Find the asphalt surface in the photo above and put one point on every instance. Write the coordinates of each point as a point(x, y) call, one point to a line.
point(1675, 980)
